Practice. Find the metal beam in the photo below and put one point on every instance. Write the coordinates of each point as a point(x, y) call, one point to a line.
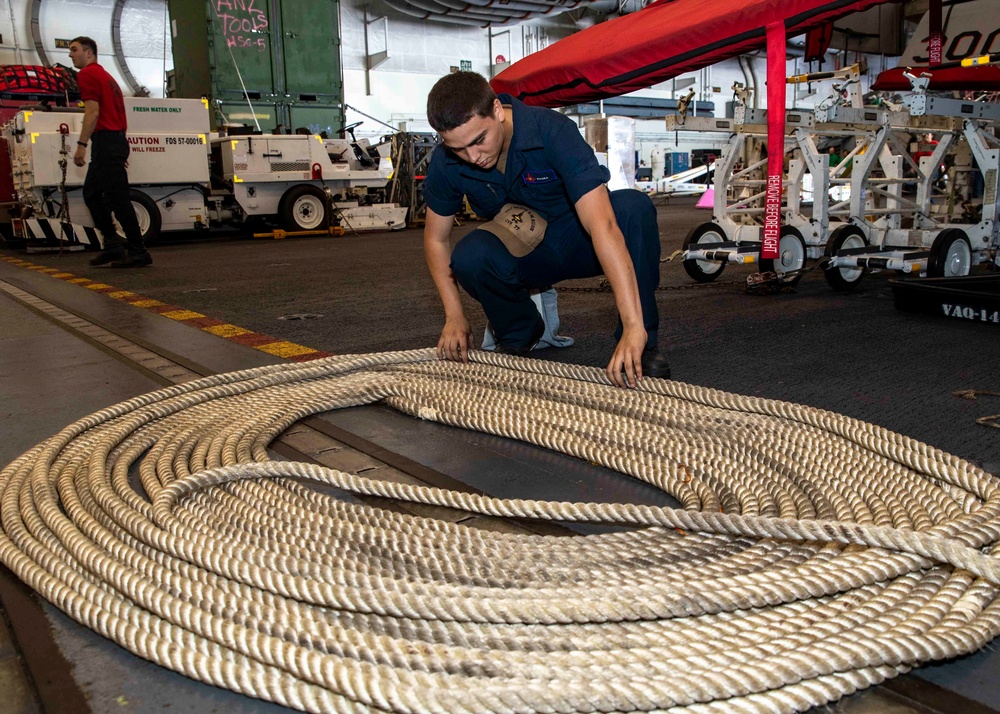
point(36, 32)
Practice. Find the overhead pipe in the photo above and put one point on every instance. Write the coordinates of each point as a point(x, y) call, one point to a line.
point(403, 7)
point(754, 83)
point(601, 6)
point(497, 20)
point(743, 69)
point(482, 13)
point(406, 8)
point(442, 12)
point(438, 7)
point(487, 13)
point(466, 6)
point(511, 10)
point(13, 27)
point(529, 5)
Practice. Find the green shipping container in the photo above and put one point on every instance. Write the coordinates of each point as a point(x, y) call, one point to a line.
point(271, 55)
point(317, 119)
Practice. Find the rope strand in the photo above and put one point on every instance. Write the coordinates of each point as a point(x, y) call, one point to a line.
point(813, 555)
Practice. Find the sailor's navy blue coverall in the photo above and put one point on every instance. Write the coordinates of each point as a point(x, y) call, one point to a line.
point(549, 168)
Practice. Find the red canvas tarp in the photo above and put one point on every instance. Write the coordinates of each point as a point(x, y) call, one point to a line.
point(663, 40)
point(985, 78)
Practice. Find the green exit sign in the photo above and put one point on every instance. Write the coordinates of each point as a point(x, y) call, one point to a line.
point(465, 65)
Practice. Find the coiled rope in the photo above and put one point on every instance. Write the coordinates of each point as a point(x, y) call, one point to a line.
point(814, 554)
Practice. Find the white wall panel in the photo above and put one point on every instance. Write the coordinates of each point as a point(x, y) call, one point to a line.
point(149, 72)
point(395, 96)
point(145, 36)
point(66, 19)
point(16, 47)
point(145, 30)
point(414, 45)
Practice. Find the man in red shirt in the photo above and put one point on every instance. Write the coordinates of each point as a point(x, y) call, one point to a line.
point(105, 190)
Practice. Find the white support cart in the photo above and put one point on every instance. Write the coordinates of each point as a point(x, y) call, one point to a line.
point(884, 205)
point(951, 224)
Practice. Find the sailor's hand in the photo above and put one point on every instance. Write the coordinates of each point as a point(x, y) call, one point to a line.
point(455, 340)
point(625, 367)
point(80, 157)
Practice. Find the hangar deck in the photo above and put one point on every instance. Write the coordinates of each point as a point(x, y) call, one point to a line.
point(77, 339)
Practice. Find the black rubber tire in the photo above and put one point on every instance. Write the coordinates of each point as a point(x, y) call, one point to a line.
point(151, 224)
point(788, 233)
point(835, 277)
point(951, 254)
point(297, 205)
point(697, 268)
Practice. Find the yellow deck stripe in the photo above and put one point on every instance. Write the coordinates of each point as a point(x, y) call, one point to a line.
point(278, 348)
point(227, 330)
point(182, 314)
point(285, 349)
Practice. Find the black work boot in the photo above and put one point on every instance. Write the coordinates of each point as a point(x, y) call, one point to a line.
point(654, 364)
point(524, 351)
point(134, 260)
point(109, 255)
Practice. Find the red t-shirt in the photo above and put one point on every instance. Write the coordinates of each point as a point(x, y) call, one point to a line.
point(99, 86)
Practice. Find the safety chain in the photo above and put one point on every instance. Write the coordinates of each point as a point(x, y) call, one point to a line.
point(64, 220)
point(821, 263)
point(760, 283)
point(604, 286)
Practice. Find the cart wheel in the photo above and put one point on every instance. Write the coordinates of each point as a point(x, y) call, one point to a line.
point(791, 257)
point(303, 208)
point(704, 271)
point(147, 214)
point(845, 238)
point(951, 254)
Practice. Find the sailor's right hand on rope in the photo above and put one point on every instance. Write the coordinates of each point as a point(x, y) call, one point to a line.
point(455, 340)
point(625, 367)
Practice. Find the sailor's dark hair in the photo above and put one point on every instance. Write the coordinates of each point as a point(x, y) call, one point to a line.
point(86, 42)
point(456, 98)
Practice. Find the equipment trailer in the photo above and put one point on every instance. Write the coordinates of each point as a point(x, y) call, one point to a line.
point(860, 219)
point(185, 178)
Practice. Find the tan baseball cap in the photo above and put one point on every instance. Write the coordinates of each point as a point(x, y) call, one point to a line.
point(519, 228)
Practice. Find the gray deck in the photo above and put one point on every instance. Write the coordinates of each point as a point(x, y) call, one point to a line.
point(854, 354)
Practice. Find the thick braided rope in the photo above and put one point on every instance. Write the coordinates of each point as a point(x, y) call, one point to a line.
point(814, 555)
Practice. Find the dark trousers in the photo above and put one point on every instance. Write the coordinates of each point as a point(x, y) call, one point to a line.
point(500, 282)
point(106, 192)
